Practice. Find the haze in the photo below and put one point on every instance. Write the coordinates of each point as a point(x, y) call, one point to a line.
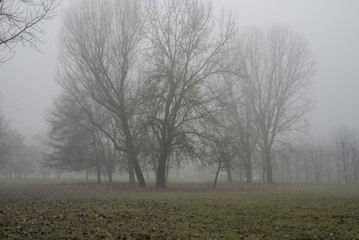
point(165, 123)
point(331, 27)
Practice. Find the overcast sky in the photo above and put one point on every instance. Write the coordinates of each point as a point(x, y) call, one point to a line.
point(331, 27)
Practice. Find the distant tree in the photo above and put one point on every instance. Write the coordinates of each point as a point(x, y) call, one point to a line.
point(215, 149)
point(3, 134)
point(342, 138)
point(185, 47)
point(20, 22)
point(313, 161)
point(97, 61)
point(277, 80)
point(302, 161)
point(297, 164)
point(328, 158)
point(282, 159)
point(317, 157)
point(241, 121)
point(18, 163)
point(354, 147)
point(37, 147)
point(347, 154)
point(107, 148)
point(71, 138)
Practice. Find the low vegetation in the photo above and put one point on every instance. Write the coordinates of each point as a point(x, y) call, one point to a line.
point(79, 211)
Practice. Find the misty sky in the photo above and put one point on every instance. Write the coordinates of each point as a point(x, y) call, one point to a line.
point(27, 82)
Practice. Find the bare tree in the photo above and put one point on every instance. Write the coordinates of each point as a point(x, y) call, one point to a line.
point(107, 153)
point(328, 162)
point(18, 161)
point(241, 122)
point(216, 148)
point(184, 48)
point(297, 166)
point(72, 138)
point(97, 55)
point(317, 157)
point(3, 135)
point(342, 143)
point(354, 147)
point(302, 161)
point(20, 22)
point(277, 81)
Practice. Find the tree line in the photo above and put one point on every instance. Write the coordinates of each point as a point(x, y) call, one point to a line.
point(20, 24)
point(20, 158)
point(149, 83)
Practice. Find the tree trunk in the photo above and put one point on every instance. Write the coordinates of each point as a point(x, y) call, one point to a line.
point(161, 171)
point(132, 153)
point(263, 168)
point(338, 171)
point(167, 169)
point(131, 173)
point(355, 167)
point(97, 159)
point(248, 166)
point(216, 177)
point(98, 173)
point(229, 172)
point(329, 175)
point(248, 173)
point(282, 169)
point(268, 166)
point(345, 169)
point(316, 169)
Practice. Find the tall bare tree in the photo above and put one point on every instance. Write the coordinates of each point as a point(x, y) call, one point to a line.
point(3, 135)
point(218, 149)
point(277, 80)
point(72, 138)
point(342, 142)
point(317, 156)
point(97, 55)
point(240, 118)
point(184, 48)
point(20, 22)
point(354, 147)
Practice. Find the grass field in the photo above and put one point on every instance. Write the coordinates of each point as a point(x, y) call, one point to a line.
point(32, 210)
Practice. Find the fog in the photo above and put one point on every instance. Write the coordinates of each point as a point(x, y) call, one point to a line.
point(331, 27)
point(179, 119)
point(27, 81)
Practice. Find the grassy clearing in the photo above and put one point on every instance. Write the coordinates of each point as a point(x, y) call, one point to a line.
point(68, 211)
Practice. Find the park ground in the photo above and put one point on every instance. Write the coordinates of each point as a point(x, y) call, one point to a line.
point(52, 210)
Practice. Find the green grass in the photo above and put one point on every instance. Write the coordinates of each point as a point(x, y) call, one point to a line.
point(79, 211)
